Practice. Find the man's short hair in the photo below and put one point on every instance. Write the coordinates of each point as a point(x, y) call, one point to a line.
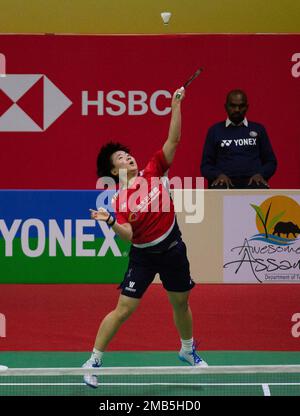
point(236, 92)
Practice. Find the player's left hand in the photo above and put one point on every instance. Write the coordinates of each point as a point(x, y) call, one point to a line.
point(101, 215)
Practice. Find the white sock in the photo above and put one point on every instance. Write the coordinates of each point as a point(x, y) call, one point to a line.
point(187, 344)
point(97, 354)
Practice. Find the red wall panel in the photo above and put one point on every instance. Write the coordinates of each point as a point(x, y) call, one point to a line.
point(63, 155)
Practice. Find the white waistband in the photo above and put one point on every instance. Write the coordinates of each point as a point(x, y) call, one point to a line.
point(157, 240)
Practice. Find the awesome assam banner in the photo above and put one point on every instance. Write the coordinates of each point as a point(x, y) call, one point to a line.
point(64, 96)
point(261, 238)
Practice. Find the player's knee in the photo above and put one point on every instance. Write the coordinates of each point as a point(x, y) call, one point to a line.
point(123, 312)
point(182, 306)
point(180, 303)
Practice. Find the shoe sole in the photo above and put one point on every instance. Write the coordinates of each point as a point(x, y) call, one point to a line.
point(186, 361)
point(90, 385)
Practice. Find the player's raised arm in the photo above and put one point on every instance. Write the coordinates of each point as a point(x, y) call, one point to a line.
point(170, 146)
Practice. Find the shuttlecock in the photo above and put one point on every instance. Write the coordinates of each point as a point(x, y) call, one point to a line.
point(166, 16)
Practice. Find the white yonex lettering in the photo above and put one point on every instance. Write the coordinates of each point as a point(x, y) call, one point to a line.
point(109, 242)
point(9, 235)
point(131, 284)
point(245, 142)
point(41, 237)
point(62, 237)
point(81, 238)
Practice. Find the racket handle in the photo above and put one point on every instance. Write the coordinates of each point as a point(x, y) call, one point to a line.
point(179, 94)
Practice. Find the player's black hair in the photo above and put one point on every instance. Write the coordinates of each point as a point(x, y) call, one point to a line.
point(104, 162)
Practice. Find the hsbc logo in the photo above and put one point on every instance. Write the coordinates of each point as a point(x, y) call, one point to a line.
point(132, 103)
point(30, 103)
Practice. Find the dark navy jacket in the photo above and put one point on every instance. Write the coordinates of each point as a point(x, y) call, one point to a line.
point(237, 151)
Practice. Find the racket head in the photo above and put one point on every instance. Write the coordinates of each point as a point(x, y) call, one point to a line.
point(191, 79)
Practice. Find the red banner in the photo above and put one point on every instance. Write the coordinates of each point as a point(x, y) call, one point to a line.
point(64, 96)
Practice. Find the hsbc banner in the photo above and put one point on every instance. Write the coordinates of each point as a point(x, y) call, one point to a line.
point(62, 97)
point(48, 237)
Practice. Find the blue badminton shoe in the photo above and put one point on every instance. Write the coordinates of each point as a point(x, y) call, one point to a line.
point(192, 358)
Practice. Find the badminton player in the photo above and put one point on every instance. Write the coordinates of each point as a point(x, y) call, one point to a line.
point(149, 223)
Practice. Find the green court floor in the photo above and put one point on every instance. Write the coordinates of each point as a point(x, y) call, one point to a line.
point(274, 384)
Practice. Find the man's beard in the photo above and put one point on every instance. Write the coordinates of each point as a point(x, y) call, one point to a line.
point(237, 118)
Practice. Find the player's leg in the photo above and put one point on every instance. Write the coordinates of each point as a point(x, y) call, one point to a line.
point(107, 329)
point(112, 322)
point(183, 320)
point(136, 281)
point(182, 314)
point(176, 279)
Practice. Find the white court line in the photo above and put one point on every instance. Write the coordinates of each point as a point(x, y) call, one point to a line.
point(152, 370)
point(266, 386)
point(266, 390)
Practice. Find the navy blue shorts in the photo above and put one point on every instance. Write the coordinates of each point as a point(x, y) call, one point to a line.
point(168, 260)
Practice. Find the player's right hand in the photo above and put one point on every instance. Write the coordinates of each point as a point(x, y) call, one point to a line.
point(178, 95)
point(101, 215)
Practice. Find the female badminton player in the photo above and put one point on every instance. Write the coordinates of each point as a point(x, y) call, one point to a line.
point(145, 217)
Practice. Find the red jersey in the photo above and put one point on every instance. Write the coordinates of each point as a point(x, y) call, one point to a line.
point(146, 205)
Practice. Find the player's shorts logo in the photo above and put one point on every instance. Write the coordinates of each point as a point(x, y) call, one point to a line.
point(30, 103)
point(130, 287)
